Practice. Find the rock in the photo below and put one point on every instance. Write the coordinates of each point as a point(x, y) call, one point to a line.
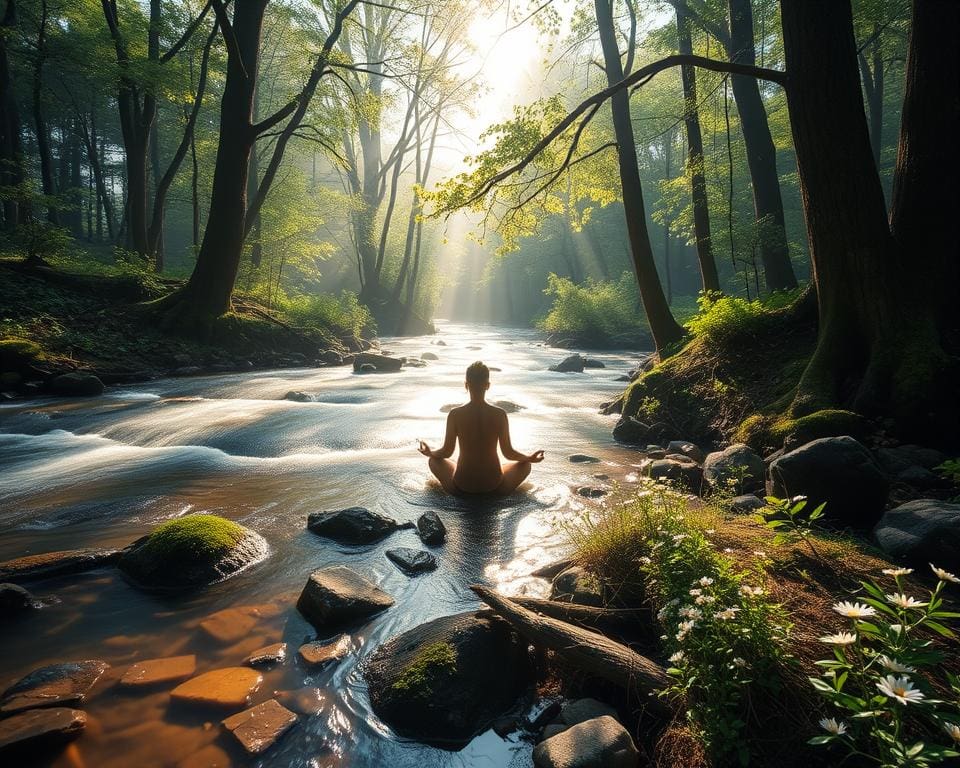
point(736, 464)
point(601, 476)
point(259, 728)
point(507, 405)
point(598, 743)
point(317, 653)
point(431, 528)
point(157, 671)
point(571, 364)
point(380, 363)
point(298, 397)
point(331, 357)
point(630, 430)
point(449, 679)
point(918, 476)
point(920, 532)
point(233, 624)
point(364, 368)
point(191, 552)
point(911, 464)
point(746, 503)
point(838, 471)
point(449, 407)
point(580, 710)
point(429, 356)
point(577, 585)
point(307, 701)
point(592, 492)
point(623, 377)
point(582, 458)
point(504, 726)
point(52, 686)
point(439, 343)
point(551, 570)
point(549, 713)
point(43, 566)
point(551, 729)
point(76, 385)
point(187, 370)
point(354, 525)
point(15, 600)
point(589, 362)
point(276, 653)
point(229, 688)
point(40, 728)
point(412, 362)
point(412, 561)
point(686, 448)
point(338, 595)
point(682, 473)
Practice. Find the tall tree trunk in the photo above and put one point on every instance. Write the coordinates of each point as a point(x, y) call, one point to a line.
point(878, 349)
point(253, 179)
point(663, 327)
point(695, 163)
point(76, 181)
point(11, 152)
point(39, 120)
point(761, 153)
point(873, 84)
point(667, 277)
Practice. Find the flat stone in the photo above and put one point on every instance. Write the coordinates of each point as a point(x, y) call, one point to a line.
point(43, 566)
point(156, 671)
point(317, 653)
point(41, 727)
point(339, 595)
point(431, 528)
point(268, 655)
point(354, 525)
point(598, 743)
point(307, 701)
point(229, 688)
point(259, 728)
point(211, 756)
point(232, 624)
point(582, 458)
point(52, 686)
point(412, 561)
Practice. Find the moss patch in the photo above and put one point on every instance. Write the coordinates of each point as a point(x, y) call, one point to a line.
point(434, 661)
point(761, 432)
point(16, 353)
point(195, 538)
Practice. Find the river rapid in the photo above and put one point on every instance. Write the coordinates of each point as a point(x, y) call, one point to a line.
point(101, 472)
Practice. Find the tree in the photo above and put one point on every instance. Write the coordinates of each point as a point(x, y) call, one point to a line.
point(11, 153)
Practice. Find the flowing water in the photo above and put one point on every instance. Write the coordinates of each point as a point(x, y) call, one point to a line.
point(102, 472)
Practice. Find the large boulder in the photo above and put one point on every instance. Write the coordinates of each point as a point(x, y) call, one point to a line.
point(338, 595)
point(920, 532)
point(736, 464)
point(686, 448)
point(52, 686)
point(380, 363)
point(49, 564)
point(598, 743)
point(838, 471)
point(570, 364)
point(686, 474)
point(632, 431)
point(76, 385)
point(191, 552)
point(447, 680)
point(354, 525)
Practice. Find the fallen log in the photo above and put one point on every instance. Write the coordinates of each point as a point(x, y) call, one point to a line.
point(589, 651)
point(586, 615)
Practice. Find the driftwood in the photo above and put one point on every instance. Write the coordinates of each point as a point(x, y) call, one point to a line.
point(587, 615)
point(589, 651)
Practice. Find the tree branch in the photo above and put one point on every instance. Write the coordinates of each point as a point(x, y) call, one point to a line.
point(187, 34)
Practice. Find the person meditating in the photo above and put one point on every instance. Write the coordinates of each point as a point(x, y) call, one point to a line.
point(479, 427)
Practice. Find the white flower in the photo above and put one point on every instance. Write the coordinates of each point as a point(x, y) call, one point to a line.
point(645, 560)
point(662, 614)
point(678, 537)
point(759, 553)
point(944, 575)
point(696, 592)
point(841, 638)
point(749, 591)
point(726, 614)
point(710, 531)
point(953, 731)
point(897, 571)
point(677, 657)
point(902, 601)
point(893, 665)
point(705, 600)
point(706, 581)
point(690, 613)
point(900, 688)
point(738, 662)
point(831, 725)
point(795, 499)
point(854, 610)
point(685, 627)
point(727, 550)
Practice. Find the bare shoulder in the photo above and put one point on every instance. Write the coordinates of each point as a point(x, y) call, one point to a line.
point(496, 412)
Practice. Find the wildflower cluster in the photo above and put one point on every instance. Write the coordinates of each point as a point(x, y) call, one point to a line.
point(877, 677)
point(722, 633)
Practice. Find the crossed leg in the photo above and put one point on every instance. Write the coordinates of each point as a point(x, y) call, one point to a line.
point(514, 473)
point(443, 470)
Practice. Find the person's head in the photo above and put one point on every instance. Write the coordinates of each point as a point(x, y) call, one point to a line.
point(478, 379)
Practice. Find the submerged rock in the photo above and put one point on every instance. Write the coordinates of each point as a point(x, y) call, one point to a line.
point(630, 430)
point(40, 728)
point(507, 405)
point(736, 464)
point(76, 385)
point(920, 532)
point(429, 356)
point(15, 600)
point(338, 595)
point(48, 564)
point(354, 525)
point(590, 362)
point(233, 624)
point(260, 727)
point(380, 363)
point(298, 397)
point(577, 585)
point(592, 492)
point(229, 688)
point(157, 671)
point(431, 529)
point(598, 743)
point(583, 458)
point(447, 680)
point(318, 653)
point(412, 561)
point(191, 552)
point(53, 685)
point(570, 364)
point(267, 656)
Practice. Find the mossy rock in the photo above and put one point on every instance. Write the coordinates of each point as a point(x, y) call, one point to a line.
point(778, 431)
point(191, 552)
point(16, 353)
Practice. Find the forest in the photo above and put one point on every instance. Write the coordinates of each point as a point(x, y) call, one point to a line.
point(697, 256)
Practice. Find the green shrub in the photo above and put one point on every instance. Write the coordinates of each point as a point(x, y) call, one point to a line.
point(344, 313)
point(16, 353)
point(595, 310)
point(722, 319)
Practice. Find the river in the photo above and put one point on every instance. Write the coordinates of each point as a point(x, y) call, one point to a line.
point(101, 472)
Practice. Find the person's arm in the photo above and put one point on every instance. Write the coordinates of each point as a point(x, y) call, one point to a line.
point(509, 452)
point(449, 442)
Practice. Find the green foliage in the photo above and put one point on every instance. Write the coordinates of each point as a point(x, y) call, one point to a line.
point(433, 661)
point(194, 538)
point(595, 310)
point(950, 469)
point(16, 353)
point(344, 313)
point(787, 519)
point(725, 319)
point(879, 678)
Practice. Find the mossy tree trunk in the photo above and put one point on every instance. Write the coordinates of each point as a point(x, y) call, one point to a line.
point(879, 348)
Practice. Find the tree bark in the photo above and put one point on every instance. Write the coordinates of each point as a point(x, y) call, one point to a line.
point(873, 84)
point(695, 163)
point(39, 119)
point(663, 327)
point(11, 151)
